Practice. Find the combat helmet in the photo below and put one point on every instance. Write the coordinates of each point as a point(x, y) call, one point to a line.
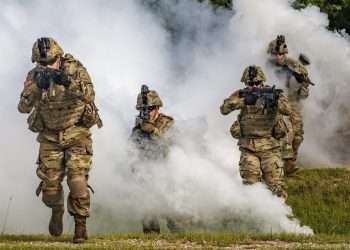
point(278, 46)
point(253, 74)
point(46, 50)
point(149, 98)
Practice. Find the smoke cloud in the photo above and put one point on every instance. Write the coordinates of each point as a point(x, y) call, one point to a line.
point(194, 58)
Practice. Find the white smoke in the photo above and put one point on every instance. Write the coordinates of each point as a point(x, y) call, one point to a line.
point(124, 44)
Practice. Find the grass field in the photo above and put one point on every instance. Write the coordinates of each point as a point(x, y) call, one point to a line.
point(225, 240)
point(319, 198)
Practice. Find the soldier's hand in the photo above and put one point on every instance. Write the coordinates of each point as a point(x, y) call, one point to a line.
point(42, 80)
point(300, 78)
point(60, 78)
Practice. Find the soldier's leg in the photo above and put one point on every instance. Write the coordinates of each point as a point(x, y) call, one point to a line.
point(298, 127)
point(178, 223)
point(249, 167)
point(298, 137)
point(78, 162)
point(51, 172)
point(150, 224)
point(288, 155)
point(273, 175)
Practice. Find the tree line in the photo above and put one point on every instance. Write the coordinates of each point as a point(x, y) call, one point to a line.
point(338, 10)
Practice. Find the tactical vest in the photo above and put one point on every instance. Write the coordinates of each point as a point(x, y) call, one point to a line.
point(60, 111)
point(256, 121)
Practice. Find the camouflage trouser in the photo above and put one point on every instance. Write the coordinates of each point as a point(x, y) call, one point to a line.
point(295, 135)
point(289, 156)
point(287, 141)
point(55, 162)
point(264, 166)
point(298, 126)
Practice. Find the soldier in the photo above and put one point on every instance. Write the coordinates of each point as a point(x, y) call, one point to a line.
point(151, 137)
point(259, 129)
point(297, 85)
point(58, 93)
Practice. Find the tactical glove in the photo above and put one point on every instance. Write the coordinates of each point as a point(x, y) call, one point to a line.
point(42, 79)
point(60, 78)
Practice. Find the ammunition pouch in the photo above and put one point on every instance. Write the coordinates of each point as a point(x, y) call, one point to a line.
point(281, 128)
point(257, 125)
point(236, 130)
point(90, 116)
point(35, 124)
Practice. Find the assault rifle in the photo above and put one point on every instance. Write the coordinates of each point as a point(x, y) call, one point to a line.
point(46, 77)
point(144, 112)
point(43, 78)
point(300, 78)
point(137, 134)
point(270, 95)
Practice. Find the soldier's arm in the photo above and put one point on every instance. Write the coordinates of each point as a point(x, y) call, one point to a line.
point(304, 90)
point(148, 127)
point(81, 85)
point(303, 79)
point(80, 82)
point(30, 94)
point(284, 106)
point(164, 124)
point(301, 75)
point(232, 103)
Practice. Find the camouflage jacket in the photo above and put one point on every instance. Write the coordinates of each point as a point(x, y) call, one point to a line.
point(80, 90)
point(235, 102)
point(297, 79)
point(151, 137)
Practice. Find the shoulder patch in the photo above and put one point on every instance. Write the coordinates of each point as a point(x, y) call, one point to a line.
point(70, 64)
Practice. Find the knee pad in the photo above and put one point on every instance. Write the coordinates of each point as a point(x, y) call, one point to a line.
point(78, 186)
point(53, 198)
point(249, 178)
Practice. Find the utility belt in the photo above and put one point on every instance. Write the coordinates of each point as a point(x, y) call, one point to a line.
point(65, 136)
point(87, 118)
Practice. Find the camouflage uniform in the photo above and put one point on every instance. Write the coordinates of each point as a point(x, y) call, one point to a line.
point(297, 84)
point(62, 116)
point(150, 137)
point(259, 129)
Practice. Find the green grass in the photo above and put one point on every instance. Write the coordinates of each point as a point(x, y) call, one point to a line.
point(320, 198)
point(179, 240)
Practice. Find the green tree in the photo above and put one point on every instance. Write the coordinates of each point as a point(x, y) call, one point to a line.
point(338, 11)
point(222, 3)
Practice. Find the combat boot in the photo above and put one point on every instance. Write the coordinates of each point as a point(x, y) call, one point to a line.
point(174, 226)
point(80, 233)
point(150, 225)
point(56, 221)
point(290, 167)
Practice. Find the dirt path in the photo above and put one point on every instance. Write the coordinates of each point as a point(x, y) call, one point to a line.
point(165, 244)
